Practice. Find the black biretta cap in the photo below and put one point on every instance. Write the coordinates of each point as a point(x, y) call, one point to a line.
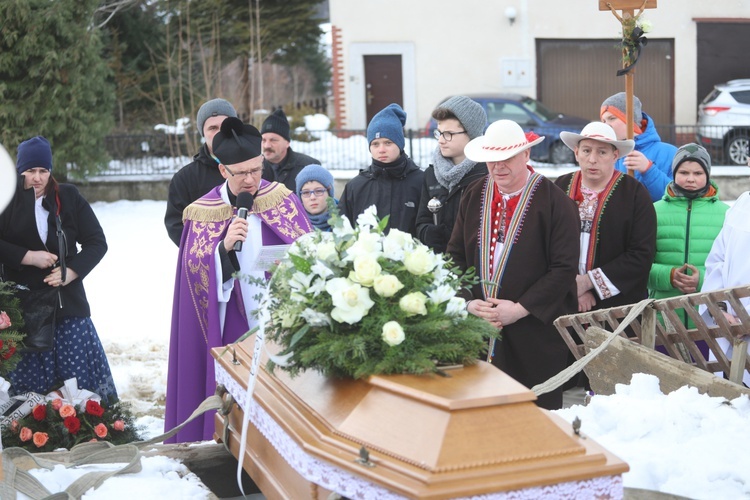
point(236, 142)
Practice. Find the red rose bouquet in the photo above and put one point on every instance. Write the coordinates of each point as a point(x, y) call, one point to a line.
point(58, 424)
point(11, 320)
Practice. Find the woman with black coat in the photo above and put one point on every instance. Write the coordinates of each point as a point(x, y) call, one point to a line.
point(31, 255)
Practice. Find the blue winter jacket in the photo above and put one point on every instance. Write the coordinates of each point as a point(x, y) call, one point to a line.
point(659, 153)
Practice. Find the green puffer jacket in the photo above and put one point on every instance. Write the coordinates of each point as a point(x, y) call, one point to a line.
point(686, 230)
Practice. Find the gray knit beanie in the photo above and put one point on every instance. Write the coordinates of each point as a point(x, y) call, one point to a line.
point(469, 113)
point(692, 152)
point(616, 105)
point(214, 107)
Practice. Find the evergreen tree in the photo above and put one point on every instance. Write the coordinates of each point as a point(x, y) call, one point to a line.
point(133, 36)
point(53, 81)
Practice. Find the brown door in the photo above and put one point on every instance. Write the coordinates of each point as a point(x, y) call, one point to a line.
point(383, 83)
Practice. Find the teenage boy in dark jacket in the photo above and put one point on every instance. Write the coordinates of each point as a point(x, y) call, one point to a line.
point(393, 182)
point(459, 120)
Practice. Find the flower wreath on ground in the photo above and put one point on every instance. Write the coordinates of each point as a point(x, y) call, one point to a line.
point(356, 302)
point(56, 422)
point(11, 321)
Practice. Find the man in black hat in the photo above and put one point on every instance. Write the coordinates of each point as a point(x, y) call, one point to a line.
point(280, 163)
point(202, 174)
point(211, 307)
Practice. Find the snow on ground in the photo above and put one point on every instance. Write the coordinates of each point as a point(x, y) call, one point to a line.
point(684, 443)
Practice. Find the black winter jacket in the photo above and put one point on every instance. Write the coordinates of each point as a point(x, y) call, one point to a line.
point(394, 191)
point(437, 236)
point(286, 171)
point(19, 234)
point(187, 185)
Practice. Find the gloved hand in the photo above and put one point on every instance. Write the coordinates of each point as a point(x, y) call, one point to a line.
point(437, 236)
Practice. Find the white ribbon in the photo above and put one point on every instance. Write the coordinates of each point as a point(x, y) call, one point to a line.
point(74, 395)
point(4, 386)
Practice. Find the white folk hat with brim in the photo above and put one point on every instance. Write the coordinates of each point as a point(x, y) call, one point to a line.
point(502, 140)
point(601, 132)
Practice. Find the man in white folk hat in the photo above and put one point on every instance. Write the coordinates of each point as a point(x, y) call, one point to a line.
point(514, 227)
point(617, 220)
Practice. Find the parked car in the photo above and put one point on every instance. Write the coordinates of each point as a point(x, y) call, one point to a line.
point(724, 121)
point(531, 115)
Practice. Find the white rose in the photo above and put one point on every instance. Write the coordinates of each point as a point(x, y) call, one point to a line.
point(351, 301)
point(387, 285)
point(393, 334)
point(420, 261)
point(326, 250)
point(366, 244)
point(366, 269)
point(413, 303)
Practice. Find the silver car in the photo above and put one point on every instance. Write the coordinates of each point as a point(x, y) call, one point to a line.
point(724, 122)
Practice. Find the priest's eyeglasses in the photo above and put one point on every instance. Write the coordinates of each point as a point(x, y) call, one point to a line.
point(308, 193)
point(251, 173)
point(448, 136)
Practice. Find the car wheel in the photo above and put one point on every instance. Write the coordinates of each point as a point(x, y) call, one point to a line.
point(737, 149)
point(560, 154)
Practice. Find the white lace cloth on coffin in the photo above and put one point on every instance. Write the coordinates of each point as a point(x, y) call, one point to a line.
point(351, 486)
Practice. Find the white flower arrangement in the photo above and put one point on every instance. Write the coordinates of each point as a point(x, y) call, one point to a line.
point(356, 301)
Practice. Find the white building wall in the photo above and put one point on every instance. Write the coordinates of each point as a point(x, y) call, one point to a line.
point(464, 46)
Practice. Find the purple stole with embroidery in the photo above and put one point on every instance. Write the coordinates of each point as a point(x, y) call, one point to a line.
point(283, 219)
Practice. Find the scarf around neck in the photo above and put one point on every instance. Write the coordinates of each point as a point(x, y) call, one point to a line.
point(678, 191)
point(448, 174)
point(394, 170)
point(320, 220)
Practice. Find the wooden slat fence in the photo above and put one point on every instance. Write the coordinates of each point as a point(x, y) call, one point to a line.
point(650, 330)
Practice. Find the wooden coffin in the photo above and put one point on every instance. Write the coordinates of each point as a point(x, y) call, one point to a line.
point(475, 432)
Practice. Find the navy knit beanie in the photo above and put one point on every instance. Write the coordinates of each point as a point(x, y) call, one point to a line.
point(315, 173)
point(388, 123)
point(36, 152)
point(276, 123)
point(214, 107)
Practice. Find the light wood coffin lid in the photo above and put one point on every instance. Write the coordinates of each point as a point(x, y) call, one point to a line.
point(477, 431)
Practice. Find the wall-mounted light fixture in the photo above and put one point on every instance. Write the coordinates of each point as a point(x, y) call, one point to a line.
point(511, 13)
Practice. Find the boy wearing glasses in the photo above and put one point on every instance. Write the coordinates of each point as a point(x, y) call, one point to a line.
point(459, 120)
point(211, 307)
point(314, 187)
point(392, 182)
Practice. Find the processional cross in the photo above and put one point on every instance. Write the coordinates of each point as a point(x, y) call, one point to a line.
point(632, 41)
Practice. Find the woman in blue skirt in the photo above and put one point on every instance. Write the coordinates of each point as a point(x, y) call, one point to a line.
point(32, 253)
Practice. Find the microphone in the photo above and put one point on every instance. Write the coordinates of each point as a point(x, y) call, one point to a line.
point(244, 203)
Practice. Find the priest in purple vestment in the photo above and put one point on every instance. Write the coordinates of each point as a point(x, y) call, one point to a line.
point(211, 307)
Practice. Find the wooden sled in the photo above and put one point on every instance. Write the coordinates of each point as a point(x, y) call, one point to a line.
point(684, 363)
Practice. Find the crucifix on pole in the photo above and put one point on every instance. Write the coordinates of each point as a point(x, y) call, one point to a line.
point(632, 41)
